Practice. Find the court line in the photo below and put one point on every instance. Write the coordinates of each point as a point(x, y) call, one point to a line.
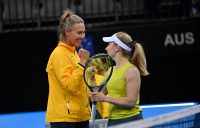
point(168, 105)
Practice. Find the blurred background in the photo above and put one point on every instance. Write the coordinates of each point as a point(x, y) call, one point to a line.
point(169, 31)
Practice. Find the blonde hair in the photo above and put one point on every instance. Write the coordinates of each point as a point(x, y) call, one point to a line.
point(137, 55)
point(67, 20)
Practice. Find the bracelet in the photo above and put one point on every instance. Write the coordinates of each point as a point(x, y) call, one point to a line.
point(81, 65)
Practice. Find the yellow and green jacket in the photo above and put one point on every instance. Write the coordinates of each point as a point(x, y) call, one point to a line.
point(68, 95)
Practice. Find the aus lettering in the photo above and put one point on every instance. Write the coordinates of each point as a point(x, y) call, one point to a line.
point(178, 39)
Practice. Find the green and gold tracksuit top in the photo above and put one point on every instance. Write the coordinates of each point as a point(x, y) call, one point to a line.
point(68, 95)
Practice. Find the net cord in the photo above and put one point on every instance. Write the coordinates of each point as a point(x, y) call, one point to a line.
point(160, 119)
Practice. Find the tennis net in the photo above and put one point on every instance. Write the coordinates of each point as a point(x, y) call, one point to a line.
point(184, 118)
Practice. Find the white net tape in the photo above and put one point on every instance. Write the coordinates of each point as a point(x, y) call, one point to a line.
point(161, 118)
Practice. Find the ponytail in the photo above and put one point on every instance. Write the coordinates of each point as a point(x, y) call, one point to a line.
point(139, 60)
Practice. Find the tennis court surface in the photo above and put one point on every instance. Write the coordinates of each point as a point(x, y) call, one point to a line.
point(151, 113)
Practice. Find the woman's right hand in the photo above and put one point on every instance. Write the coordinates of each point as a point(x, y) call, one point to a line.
point(84, 55)
point(98, 96)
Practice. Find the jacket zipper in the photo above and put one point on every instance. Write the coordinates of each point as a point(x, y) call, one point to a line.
point(68, 107)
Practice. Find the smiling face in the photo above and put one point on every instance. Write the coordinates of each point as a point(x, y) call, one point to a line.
point(76, 34)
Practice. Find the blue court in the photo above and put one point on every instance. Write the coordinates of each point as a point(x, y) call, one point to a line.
point(37, 119)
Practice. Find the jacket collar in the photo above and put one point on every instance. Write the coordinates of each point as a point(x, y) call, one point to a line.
point(71, 48)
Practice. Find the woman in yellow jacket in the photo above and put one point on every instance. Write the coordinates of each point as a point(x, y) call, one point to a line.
point(68, 103)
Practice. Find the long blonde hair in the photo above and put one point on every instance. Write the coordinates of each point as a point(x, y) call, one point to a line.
point(137, 55)
point(67, 20)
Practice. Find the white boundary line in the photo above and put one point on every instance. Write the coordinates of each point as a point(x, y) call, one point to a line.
point(168, 105)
